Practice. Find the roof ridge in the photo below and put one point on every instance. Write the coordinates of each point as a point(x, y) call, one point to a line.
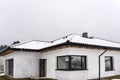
point(41, 41)
point(107, 40)
point(65, 36)
point(72, 37)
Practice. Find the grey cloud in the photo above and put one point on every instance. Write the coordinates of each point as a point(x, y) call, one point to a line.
point(25, 20)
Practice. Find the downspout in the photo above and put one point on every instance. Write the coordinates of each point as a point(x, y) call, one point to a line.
point(99, 60)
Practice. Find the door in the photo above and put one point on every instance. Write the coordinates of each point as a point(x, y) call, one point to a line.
point(42, 66)
point(9, 67)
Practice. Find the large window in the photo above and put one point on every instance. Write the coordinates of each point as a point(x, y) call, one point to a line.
point(108, 63)
point(74, 62)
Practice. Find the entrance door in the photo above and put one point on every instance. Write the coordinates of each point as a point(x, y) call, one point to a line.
point(42, 66)
point(9, 67)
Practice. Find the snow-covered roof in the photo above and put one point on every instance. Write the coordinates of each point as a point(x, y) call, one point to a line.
point(34, 44)
point(73, 38)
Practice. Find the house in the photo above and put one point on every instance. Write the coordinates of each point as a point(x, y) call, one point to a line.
point(72, 57)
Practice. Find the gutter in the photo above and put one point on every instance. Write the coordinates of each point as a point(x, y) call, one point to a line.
point(99, 60)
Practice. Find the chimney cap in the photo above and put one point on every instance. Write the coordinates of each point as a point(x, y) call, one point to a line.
point(85, 34)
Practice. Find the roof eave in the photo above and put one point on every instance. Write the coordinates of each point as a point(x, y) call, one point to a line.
point(68, 43)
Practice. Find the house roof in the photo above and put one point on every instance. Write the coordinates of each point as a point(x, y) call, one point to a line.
point(34, 44)
point(72, 39)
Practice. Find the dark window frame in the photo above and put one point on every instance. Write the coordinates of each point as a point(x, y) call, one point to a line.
point(69, 63)
point(111, 64)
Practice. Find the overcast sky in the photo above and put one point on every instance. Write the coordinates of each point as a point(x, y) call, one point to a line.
point(26, 20)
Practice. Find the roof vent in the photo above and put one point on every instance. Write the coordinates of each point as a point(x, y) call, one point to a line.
point(85, 34)
point(15, 42)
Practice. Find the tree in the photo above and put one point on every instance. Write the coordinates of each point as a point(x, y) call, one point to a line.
point(3, 47)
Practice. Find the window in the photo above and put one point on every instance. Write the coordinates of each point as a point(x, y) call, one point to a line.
point(73, 62)
point(78, 62)
point(108, 63)
point(63, 62)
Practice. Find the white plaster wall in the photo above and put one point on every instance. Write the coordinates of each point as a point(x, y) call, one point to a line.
point(51, 57)
point(116, 62)
point(26, 64)
point(92, 59)
point(92, 63)
point(72, 75)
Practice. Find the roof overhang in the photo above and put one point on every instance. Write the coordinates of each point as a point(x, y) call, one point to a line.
point(69, 44)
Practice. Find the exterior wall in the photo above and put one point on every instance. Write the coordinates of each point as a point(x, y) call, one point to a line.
point(72, 75)
point(51, 60)
point(116, 63)
point(26, 64)
point(92, 64)
point(51, 57)
point(92, 59)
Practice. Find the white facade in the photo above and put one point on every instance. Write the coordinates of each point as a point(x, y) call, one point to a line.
point(26, 64)
point(92, 64)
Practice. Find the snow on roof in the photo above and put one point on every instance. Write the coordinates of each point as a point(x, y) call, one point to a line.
point(94, 41)
point(34, 44)
point(74, 38)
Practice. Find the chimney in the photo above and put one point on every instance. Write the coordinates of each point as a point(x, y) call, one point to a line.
point(85, 34)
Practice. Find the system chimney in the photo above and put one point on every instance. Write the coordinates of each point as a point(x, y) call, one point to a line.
point(85, 34)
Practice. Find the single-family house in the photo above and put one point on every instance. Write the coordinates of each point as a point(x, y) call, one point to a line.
point(72, 57)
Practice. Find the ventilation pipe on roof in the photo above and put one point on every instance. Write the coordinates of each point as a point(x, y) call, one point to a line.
point(85, 34)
